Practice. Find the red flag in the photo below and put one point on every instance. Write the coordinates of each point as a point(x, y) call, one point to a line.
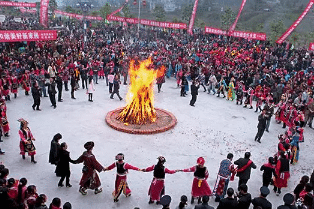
point(44, 12)
point(296, 23)
point(190, 30)
point(233, 26)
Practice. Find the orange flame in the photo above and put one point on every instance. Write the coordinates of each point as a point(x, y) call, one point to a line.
point(140, 97)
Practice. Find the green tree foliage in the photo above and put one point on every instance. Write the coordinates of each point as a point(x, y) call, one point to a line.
point(186, 12)
point(53, 5)
point(160, 13)
point(227, 18)
point(277, 28)
point(95, 13)
point(175, 20)
point(69, 9)
point(126, 11)
point(104, 11)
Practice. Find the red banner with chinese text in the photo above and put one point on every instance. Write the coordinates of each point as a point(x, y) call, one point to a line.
point(77, 16)
point(16, 4)
point(296, 23)
point(233, 26)
point(311, 48)
point(23, 10)
point(27, 35)
point(44, 12)
point(238, 34)
point(216, 31)
point(249, 35)
point(148, 22)
point(191, 24)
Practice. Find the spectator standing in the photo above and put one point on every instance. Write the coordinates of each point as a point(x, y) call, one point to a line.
point(194, 92)
point(54, 149)
point(261, 126)
point(204, 204)
point(90, 89)
point(36, 96)
point(52, 92)
point(261, 201)
point(244, 198)
point(116, 87)
point(228, 202)
point(288, 199)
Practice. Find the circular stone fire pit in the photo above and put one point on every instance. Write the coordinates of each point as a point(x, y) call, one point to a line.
point(164, 121)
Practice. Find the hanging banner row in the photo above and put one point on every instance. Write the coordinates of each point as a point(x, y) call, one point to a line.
point(16, 4)
point(148, 22)
point(77, 16)
point(238, 34)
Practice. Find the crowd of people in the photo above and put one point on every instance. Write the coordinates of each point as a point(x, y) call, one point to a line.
point(276, 79)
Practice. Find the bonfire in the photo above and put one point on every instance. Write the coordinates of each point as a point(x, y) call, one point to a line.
point(139, 107)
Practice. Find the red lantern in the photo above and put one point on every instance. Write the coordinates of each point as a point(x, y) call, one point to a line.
point(144, 3)
point(134, 3)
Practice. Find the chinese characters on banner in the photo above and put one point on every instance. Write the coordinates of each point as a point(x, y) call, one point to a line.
point(16, 4)
point(216, 31)
point(27, 35)
point(44, 12)
point(296, 23)
point(193, 18)
point(311, 48)
point(23, 10)
point(148, 22)
point(238, 34)
point(77, 16)
point(232, 27)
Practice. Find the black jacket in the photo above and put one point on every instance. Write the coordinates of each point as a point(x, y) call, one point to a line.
point(54, 149)
point(36, 92)
point(63, 167)
point(203, 206)
point(268, 172)
point(259, 201)
point(247, 172)
point(227, 203)
point(244, 201)
point(261, 121)
point(194, 89)
point(51, 88)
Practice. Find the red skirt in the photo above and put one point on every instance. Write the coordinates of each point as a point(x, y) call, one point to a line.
point(5, 92)
point(14, 91)
point(156, 189)
point(90, 179)
point(101, 73)
point(6, 128)
point(282, 180)
point(121, 185)
point(200, 188)
point(26, 87)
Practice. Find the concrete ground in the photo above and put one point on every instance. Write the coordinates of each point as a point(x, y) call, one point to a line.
point(213, 128)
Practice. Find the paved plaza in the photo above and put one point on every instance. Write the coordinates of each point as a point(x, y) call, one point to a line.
point(213, 128)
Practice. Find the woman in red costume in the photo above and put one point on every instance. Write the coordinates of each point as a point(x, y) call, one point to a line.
point(200, 186)
point(157, 187)
point(121, 184)
point(26, 142)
